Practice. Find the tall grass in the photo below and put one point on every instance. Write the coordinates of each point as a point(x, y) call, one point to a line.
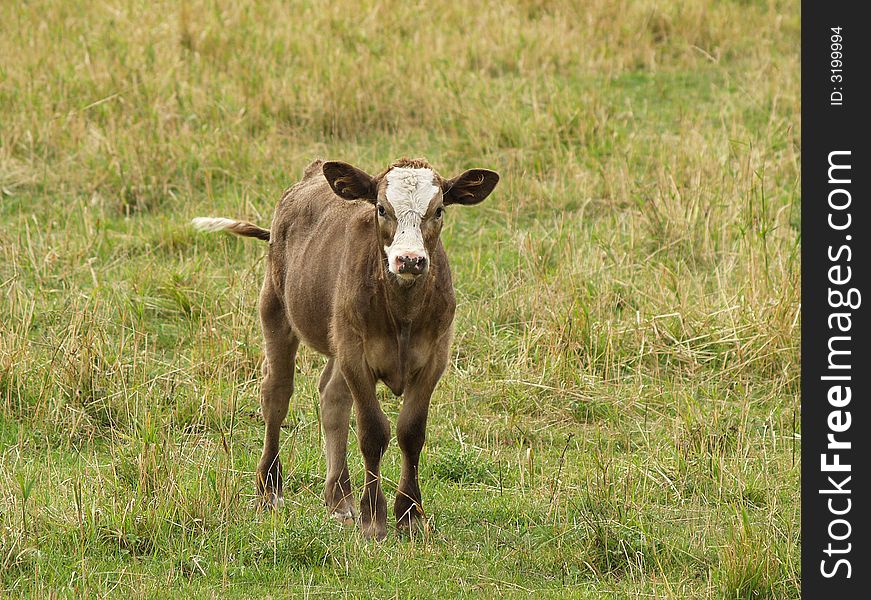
point(620, 415)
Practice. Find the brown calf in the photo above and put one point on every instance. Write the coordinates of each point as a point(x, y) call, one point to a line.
point(356, 271)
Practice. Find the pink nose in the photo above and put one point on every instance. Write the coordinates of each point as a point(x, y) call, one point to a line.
point(411, 264)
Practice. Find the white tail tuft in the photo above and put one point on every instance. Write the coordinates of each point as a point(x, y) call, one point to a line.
point(243, 228)
point(212, 224)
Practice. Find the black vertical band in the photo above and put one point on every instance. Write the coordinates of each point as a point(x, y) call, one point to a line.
point(835, 423)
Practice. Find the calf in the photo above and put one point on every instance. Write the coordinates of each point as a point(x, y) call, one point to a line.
point(356, 270)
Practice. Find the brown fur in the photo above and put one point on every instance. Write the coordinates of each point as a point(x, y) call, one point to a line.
point(327, 286)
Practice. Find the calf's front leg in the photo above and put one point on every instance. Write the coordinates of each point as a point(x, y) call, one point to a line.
point(410, 434)
point(373, 435)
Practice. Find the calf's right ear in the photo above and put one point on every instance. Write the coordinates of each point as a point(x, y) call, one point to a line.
point(349, 182)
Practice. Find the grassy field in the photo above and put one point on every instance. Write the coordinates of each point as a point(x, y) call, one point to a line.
point(620, 418)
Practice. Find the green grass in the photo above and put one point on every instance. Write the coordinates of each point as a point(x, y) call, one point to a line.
point(620, 417)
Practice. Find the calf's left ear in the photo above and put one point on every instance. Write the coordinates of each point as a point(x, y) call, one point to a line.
point(470, 187)
point(349, 182)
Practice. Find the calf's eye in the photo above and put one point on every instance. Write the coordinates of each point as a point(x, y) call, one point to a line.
point(381, 210)
point(438, 213)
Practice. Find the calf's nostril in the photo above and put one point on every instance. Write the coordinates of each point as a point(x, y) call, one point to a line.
point(411, 264)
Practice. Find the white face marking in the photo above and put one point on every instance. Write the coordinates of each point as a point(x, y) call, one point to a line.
point(409, 192)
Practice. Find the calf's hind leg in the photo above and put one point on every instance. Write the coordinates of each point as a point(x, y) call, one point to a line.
point(280, 345)
point(336, 404)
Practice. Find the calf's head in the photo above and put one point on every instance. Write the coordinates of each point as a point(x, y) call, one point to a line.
point(409, 198)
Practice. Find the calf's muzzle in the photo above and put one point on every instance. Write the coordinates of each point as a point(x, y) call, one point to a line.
point(411, 265)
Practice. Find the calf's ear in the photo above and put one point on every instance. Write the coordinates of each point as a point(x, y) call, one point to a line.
point(349, 182)
point(470, 187)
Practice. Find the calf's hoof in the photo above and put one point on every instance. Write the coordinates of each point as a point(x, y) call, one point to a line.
point(270, 501)
point(373, 515)
point(344, 515)
point(340, 503)
point(412, 525)
point(409, 514)
point(374, 531)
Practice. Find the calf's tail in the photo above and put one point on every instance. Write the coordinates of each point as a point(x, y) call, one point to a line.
point(211, 224)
